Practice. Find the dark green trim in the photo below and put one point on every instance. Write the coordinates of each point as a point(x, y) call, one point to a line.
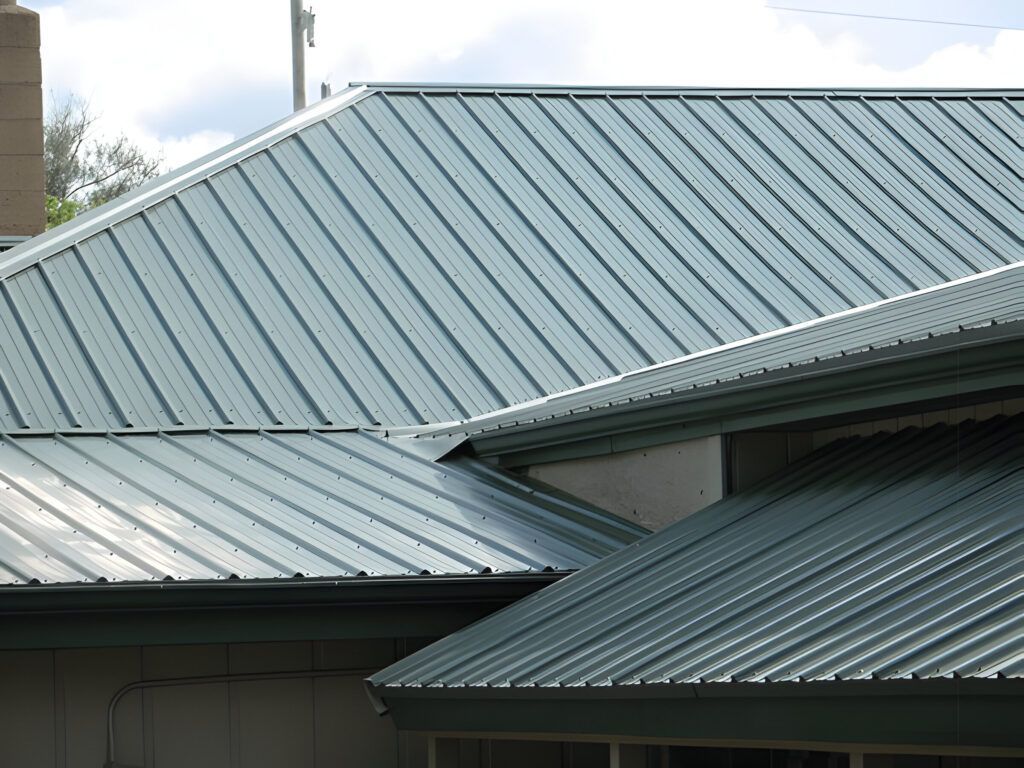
point(181, 612)
point(955, 713)
point(980, 361)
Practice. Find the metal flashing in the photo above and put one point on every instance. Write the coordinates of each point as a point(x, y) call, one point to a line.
point(994, 297)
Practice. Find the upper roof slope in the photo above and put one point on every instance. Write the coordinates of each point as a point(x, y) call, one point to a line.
point(892, 556)
point(406, 255)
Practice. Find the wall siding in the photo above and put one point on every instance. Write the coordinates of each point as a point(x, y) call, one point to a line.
point(53, 708)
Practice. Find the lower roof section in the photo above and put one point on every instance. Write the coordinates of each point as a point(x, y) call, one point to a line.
point(897, 556)
point(274, 505)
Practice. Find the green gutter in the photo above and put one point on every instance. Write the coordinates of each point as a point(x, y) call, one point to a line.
point(162, 613)
point(941, 714)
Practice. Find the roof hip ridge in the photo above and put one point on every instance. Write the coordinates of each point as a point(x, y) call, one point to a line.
point(38, 248)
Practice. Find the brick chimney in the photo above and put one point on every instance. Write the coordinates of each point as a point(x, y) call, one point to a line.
point(22, 198)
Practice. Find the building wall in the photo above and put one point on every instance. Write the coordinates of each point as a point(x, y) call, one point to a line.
point(53, 707)
point(651, 486)
point(755, 455)
point(656, 486)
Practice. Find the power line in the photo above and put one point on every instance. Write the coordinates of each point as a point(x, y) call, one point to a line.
point(892, 18)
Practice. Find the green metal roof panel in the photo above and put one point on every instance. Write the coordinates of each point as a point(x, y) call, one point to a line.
point(893, 556)
point(988, 299)
point(409, 255)
point(259, 505)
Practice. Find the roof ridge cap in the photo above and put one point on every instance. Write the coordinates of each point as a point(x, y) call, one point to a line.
point(491, 87)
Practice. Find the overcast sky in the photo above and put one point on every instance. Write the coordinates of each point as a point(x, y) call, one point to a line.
point(186, 76)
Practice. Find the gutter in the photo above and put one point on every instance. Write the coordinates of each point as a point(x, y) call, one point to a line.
point(934, 716)
point(171, 595)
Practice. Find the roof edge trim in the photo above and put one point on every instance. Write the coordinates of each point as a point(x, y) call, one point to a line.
point(787, 689)
point(466, 426)
point(34, 250)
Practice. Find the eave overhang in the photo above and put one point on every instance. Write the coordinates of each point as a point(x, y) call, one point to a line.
point(960, 365)
point(96, 615)
point(947, 716)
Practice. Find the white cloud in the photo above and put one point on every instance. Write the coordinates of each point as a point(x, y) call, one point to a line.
point(179, 150)
point(143, 63)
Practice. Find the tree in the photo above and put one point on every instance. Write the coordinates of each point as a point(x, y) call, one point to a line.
point(83, 170)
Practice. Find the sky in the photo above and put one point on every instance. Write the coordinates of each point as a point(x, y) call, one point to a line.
point(183, 77)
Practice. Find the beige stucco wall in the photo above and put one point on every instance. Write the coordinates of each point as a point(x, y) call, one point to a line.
point(21, 123)
point(651, 486)
point(53, 708)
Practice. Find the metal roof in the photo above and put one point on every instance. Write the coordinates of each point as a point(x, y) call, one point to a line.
point(407, 255)
point(993, 298)
point(258, 505)
point(893, 556)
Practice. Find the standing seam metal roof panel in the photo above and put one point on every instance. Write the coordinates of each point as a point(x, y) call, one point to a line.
point(259, 505)
point(410, 254)
point(892, 556)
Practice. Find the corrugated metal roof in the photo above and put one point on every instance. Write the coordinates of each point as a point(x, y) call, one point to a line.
point(893, 556)
point(275, 504)
point(408, 255)
point(995, 298)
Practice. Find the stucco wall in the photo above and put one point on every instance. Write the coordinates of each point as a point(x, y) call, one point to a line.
point(53, 708)
point(651, 486)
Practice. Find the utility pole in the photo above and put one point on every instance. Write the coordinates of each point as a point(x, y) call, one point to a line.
point(302, 21)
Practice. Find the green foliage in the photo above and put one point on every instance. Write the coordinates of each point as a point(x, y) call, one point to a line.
point(83, 170)
point(58, 211)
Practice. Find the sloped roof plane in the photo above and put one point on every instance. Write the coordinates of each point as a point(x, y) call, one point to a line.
point(409, 254)
point(253, 505)
point(896, 556)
